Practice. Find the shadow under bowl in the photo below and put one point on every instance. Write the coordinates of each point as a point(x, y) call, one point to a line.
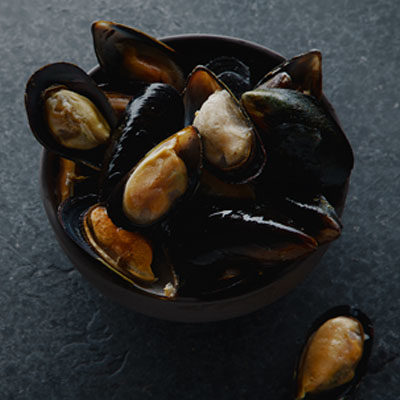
point(197, 49)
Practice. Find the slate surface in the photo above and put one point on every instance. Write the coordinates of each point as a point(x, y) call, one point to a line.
point(61, 339)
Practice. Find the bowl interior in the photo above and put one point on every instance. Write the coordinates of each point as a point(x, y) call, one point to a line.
point(197, 49)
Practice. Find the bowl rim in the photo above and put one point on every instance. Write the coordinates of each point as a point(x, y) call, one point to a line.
point(177, 309)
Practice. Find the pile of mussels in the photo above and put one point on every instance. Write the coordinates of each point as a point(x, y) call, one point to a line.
point(191, 186)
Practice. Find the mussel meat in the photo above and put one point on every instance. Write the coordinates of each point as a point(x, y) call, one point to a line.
point(132, 255)
point(335, 356)
point(155, 113)
point(232, 148)
point(165, 176)
point(69, 114)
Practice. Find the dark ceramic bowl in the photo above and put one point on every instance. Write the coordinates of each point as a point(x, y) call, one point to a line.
point(199, 49)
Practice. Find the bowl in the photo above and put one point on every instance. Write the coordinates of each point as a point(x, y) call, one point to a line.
point(199, 49)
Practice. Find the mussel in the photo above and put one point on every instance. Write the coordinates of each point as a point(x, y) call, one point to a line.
point(335, 355)
point(163, 178)
point(308, 151)
point(155, 113)
point(213, 236)
point(302, 73)
point(126, 53)
point(132, 255)
point(69, 114)
point(232, 148)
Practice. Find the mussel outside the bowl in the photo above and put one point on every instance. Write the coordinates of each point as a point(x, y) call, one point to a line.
point(335, 355)
point(69, 114)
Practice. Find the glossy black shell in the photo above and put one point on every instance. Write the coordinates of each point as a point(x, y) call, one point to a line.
point(155, 113)
point(233, 72)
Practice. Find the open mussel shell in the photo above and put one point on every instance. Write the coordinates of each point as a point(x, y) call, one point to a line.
point(335, 355)
point(166, 176)
point(130, 255)
point(233, 150)
point(307, 148)
point(233, 72)
point(302, 73)
point(50, 80)
point(126, 53)
point(155, 113)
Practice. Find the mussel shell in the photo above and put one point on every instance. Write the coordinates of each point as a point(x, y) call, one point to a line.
point(75, 79)
point(307, 148)
point(155, 113)
point(233, 72)
point(111, 41)
point(201, 83)
point(305, 73)
point(208, 239)
point(70, 215)
point(210, 233)
point(192, 158)
point(316, 216)
point(347, 390)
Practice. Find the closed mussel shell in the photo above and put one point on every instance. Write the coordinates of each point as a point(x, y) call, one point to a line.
point(307, 148)
point(233, 150)
point(240, 231)
point(126, 53)
point(69, 114)
point(221, 246)
point(335, 355)
point(166, 176)
point(155, 113)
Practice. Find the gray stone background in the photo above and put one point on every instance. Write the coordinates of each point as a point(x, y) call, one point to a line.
point(61, 339)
